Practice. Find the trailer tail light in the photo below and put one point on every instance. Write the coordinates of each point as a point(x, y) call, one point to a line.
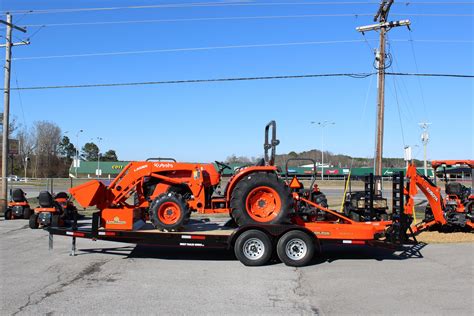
point(195, 237)
point(107, 234)
point(354, 242)
point(75, 234)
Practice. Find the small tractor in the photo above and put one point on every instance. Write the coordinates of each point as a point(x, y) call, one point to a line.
point(454, 212)
point(52, 211)
point(166, 192)
point(18, 207)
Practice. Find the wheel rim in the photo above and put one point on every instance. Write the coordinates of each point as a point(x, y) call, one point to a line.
point(169, 213)
point(253, 249)
point(296, 249)
point(263, 204)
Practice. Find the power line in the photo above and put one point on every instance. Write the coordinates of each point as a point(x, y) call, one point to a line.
point(187, 81)
point(203, 19)
point(229, 4)
point(428, 75)
point(187, 49)
point(417, 70)
point(230, 18)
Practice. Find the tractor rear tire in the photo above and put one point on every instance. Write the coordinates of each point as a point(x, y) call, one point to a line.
point(8, 214)
point(253, 248)
point(34, 221)
point(261, 198)
point(295, 248)
point(169, 212)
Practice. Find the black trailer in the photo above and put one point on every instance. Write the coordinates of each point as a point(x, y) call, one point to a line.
point(253, 244)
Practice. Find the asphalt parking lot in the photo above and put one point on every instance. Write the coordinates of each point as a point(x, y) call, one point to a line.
point(113, 278)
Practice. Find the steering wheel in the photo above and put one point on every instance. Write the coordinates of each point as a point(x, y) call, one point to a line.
point(222, 166)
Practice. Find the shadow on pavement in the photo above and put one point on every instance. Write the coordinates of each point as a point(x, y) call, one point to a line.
point(329, 254)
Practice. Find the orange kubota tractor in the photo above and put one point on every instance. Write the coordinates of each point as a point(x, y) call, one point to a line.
point(454, 211)
point(166, 192)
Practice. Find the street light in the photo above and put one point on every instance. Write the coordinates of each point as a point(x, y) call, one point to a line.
point(77, 150)
point(322, 125)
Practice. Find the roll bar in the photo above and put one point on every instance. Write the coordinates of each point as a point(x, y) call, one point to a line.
point(270, 145)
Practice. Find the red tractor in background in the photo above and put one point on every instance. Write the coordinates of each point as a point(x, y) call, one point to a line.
point(18, 207)
point(454, 212)
point(166, 192)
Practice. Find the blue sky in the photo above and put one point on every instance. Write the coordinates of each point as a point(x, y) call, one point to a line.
point(210, 121)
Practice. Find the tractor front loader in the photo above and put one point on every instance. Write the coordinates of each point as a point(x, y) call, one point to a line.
point(165, 192)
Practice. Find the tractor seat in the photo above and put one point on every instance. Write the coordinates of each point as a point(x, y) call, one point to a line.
point(454, 188)
point(18, 195)
point(260, 163)
point(45, 199)
point(62, 195)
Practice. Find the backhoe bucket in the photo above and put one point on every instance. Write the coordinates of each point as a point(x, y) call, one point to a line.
point(90, 193)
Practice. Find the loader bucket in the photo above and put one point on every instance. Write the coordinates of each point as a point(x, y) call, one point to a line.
point(90, 193)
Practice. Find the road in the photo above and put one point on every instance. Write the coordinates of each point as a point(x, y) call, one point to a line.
point(109, 278)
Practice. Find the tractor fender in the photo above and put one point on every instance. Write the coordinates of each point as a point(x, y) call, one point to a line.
point(244, 173)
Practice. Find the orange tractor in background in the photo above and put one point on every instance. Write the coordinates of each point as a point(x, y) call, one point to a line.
point(166, 192)
point(454, 212)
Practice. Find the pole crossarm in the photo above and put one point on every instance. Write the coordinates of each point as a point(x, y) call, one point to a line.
point(8, 23)
point(16, 44)
point(384, 25)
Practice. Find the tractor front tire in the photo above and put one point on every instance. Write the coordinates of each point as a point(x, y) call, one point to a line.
point(169, 212)
point(261, 198)
point(34, 221)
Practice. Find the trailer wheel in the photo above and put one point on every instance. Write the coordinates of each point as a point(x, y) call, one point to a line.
point(34, 221)
point(26, 212)
point(261, 198)
point(8, 214)
point(295, 248)
point(253, 248)
point(169, 211)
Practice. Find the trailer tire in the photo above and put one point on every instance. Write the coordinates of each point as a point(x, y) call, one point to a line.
point(253, 248)
point(261, 198)
point(8, 214)
point(33, 222)
point(295, 248)
point(169, 211)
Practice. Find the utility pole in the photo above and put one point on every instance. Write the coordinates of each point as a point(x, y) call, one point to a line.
point(383, 27)
point(6, 97)
point(425, 137)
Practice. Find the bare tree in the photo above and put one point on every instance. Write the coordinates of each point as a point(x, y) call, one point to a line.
point(48, 137)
